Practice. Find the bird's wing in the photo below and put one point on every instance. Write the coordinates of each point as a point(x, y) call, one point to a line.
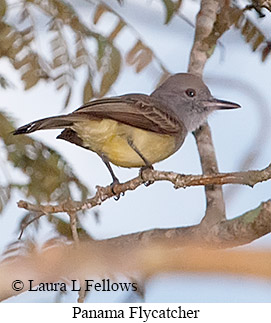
point(136, 110)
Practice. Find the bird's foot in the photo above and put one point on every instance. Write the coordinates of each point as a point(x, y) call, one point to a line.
point(141, 173)
point(112, 185)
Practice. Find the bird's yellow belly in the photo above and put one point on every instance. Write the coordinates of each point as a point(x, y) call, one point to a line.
point(110, 138)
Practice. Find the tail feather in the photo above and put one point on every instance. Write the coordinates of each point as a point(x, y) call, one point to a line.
point(58, 122)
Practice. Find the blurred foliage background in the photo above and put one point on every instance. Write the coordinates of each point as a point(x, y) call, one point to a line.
point(74, 44)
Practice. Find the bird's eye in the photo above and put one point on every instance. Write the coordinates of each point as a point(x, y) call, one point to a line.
point(190, 92)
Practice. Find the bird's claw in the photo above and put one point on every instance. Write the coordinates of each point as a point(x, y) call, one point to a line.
point(117, 196)
point(142, 169)
point(148, 183)
point(113, 184)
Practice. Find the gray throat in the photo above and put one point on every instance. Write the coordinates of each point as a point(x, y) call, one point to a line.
point(194, 119)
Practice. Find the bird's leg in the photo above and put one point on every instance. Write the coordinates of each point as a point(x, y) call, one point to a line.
point(142, 169)
point(148, 165)
point(114, 177)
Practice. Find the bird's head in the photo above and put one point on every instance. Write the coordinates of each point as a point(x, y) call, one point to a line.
point(190, 99)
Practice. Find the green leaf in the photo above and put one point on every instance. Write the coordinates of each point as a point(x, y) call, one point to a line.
point(68, 97)
point(102, 44)
point(3, 8)
point(64, 228)
point(88, 91)
point(111, 69)
point(171, 8)
point(49, 176)
point(252, 34)
point(4, 83)
point(4, 196)
point(266, 51)
point(100, 10)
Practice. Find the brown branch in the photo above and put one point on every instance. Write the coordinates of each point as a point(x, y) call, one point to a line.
point(201, 51)
point(204, 25)
point(215, 205)
point(227, 234)
point(249, 178)
point(149, 253)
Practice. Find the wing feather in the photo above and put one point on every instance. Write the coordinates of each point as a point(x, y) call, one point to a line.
point(137, 110)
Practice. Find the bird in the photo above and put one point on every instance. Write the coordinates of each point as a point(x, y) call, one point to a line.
point(137, 130)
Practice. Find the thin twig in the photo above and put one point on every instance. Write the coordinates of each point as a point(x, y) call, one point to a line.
point(73, 224)
point(215, 206)
point(249, 178)
point(26, 224)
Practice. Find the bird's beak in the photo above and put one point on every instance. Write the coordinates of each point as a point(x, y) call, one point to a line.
point(217, 104)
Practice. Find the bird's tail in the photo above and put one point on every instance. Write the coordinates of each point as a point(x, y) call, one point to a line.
point(57, 122)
